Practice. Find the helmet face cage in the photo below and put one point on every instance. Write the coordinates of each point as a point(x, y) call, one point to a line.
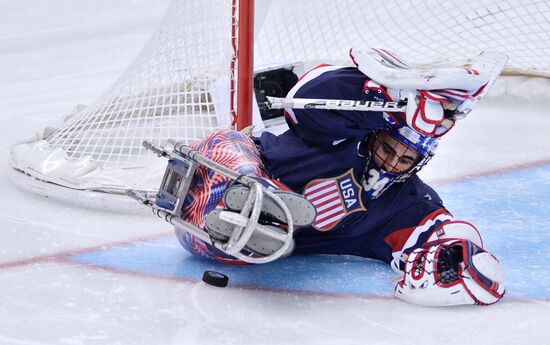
point(393, 156)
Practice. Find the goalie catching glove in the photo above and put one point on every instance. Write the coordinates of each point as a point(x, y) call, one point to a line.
point(452, 272)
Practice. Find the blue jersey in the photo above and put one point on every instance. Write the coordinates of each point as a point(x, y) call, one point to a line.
point(322, 156)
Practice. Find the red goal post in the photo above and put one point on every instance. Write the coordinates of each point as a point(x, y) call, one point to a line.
point(245, 58)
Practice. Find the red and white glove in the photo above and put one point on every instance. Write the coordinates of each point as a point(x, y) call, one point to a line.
point(426, 112)
point(436, 96)
point(452, 272)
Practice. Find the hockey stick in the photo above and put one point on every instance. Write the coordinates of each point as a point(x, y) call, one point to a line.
point(335, 104)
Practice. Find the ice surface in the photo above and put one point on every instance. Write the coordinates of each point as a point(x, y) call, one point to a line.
point(77, 276)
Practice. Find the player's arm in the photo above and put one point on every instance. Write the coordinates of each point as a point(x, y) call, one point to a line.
point(434, 97)
point(328, 127)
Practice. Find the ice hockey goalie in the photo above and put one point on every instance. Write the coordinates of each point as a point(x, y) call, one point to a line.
point(356, 172)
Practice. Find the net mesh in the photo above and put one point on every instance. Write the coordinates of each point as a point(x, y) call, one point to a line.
point(178, 86)
point(165, 93)
point(422, 31)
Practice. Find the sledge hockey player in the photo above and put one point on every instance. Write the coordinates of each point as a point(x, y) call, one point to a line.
point(358, 170)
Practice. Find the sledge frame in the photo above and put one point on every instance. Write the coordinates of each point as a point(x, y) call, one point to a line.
point(182, 163)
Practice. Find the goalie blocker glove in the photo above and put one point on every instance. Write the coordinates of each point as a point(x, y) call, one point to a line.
point(452, 272)
point(436, 97)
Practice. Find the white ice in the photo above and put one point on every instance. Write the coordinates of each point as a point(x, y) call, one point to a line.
point(56, 54)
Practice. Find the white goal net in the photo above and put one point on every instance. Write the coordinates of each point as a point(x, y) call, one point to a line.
point(179, 85)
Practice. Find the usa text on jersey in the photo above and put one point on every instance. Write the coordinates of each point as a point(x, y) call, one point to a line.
point(334, 198)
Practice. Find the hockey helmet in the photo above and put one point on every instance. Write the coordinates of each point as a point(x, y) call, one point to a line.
point(394, 155)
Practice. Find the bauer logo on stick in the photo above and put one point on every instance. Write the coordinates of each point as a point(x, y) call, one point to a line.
point(342, 103)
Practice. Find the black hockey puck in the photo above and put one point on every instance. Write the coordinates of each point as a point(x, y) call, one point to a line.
point(215, 278)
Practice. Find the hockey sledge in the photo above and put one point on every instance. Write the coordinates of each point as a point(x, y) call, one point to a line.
point(238, 229)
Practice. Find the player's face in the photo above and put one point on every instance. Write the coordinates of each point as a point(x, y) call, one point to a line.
point(392, 155)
